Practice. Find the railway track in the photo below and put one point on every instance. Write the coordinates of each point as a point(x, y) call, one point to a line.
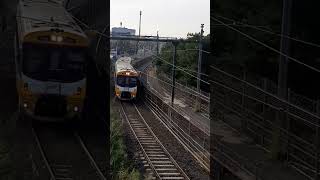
point(156, 159)
point(67, 159)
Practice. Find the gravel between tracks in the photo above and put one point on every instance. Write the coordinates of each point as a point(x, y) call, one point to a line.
point(177, 151)
point(132, 146)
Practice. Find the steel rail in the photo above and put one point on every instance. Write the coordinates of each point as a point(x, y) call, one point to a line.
point(43, 155)
point(92, 161)
point(159, 142)
point(163, 150)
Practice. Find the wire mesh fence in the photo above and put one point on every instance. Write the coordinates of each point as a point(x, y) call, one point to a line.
point(193, 138)
point(264, 116)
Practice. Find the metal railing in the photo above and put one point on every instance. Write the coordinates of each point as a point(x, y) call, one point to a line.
point(196, 140)
point(263, 115)
point(191, 137)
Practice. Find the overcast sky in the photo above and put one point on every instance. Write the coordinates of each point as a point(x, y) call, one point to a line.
point(174, 18)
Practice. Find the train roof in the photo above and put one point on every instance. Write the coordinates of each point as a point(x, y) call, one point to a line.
point(124, 64)
point(45, 15)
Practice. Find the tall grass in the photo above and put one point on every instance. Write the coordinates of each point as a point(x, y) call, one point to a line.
point(121, 167)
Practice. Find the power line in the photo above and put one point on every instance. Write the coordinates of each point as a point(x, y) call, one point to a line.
point(206, 97)
point(272, 32)
point(104, 35)
point(192, 93)
point(42, 20)
point(179, 50)
point(267, 46)
point(163, 60)
point(236, 22)
point(267, 93)
point(239, 25)
point(179, 67)
point(268, 104)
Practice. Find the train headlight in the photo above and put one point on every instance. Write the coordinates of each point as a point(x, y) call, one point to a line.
point(75, 109)
point(53, 38)
point(59, 39)
point(56, 38)
point(117, 91)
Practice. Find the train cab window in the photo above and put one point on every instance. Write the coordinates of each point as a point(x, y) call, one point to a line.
point(132, 81)
point(36, 61)
point(125, 81)
point(54, 63)
point(75, 60)
point(121, 81)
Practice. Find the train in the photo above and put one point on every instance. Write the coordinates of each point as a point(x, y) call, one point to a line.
point(126, 79)
point(51, 55)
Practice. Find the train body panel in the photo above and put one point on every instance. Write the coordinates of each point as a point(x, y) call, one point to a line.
point(51, 52)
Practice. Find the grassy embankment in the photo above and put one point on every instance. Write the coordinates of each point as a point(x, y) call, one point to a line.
point(121, 166)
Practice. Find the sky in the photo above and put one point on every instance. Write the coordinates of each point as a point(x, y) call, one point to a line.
point(172, 18)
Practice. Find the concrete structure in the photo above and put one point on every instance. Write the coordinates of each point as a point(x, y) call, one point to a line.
point(122, 31)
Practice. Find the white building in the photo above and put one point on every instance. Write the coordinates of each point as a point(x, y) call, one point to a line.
point(122, 31)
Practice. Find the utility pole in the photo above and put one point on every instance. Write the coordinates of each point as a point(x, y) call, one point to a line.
point(198, 101)
point(140, 23)
point(67, 2)
point(285, 45)
point(173, 71)
point(139, 32)
point(283, 73)
point(157, 43)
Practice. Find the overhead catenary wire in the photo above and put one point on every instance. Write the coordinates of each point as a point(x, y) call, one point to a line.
point(181, 68)
point(206, 82)
point(105, 35)
point(267, 93)
point(43, 20)
point(192, 93)
point(239, 25)
point(268, 104)
point(271, 32)
point(267, 46)
point(179, 50)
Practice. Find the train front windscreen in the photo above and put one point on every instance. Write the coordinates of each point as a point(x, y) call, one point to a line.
point(127, 81)
point(62, 64)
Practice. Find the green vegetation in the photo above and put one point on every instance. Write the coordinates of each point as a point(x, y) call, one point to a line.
point(185, 59)
point(233, 49)
point(5, 161)
point(121, 167)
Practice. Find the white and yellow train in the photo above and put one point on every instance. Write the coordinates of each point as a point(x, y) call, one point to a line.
point(51, 52)
point(126, 79)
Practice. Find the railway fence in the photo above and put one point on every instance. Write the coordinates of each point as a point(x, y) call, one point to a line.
point(260, 113)
point(187, 92)
point(195, 140)
point(193, 137)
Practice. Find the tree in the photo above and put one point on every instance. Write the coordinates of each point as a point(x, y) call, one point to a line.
point(187, 59)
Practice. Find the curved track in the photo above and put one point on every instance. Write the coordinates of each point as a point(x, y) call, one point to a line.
point(156, 157)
